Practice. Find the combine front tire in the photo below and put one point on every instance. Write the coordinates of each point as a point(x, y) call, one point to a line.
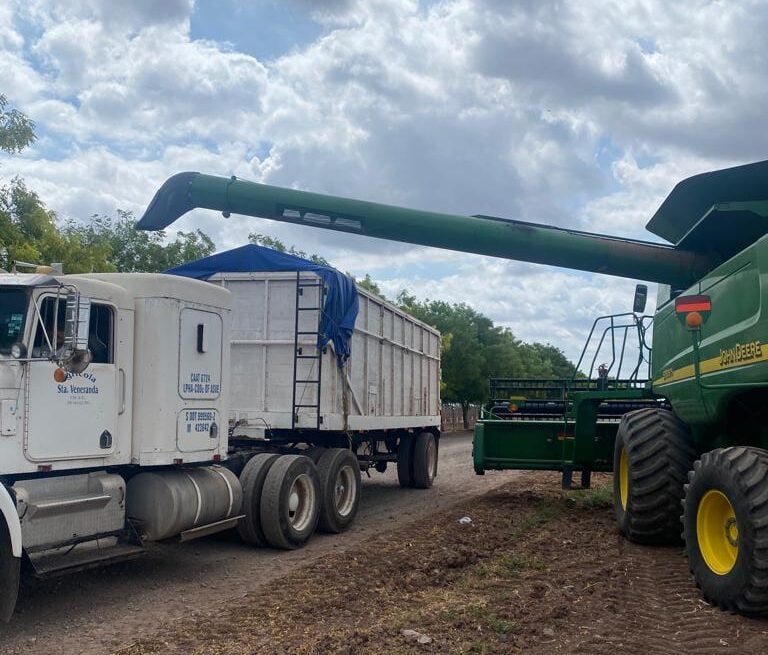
point(652, 457)
point(339, 473)
point(725, 522)
point(290, 502)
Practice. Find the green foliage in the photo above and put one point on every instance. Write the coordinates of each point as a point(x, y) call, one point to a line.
point(31, 233)
point(17, 131)
point(271, 242)
point(369, 284)
point(475, 350)
point(133, 250)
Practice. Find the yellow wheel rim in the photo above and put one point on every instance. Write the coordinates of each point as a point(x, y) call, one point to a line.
point(717, 532)
point(623, 478)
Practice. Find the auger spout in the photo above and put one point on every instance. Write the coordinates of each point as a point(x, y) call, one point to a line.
point(483, 235)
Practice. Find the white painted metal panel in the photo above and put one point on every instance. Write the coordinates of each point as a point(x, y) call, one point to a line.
point(391, 381)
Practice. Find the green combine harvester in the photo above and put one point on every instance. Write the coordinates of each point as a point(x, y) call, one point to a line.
point(684, 430)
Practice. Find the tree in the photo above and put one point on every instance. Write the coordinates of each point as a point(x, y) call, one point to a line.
point(271, 242)
point(474, 350)
point(17, 131)
point(29, 233)
point(369, 284)
point(134, 250)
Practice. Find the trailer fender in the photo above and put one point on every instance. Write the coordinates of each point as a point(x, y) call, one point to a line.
point(8, 509)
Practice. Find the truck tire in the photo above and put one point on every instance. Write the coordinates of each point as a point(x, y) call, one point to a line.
point(340, 484)
point(652, 457)
point(252, 480)
point(314, 453)
point(725, 526)
point(424, 460)
point(405, 461)
point(290, 502)
point(10, 574)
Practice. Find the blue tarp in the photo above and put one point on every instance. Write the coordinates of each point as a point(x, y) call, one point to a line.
point(341, 304)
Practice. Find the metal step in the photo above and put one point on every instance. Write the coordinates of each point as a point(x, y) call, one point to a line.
point(82, 556)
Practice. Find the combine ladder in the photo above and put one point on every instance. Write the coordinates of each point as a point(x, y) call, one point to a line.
point(302, 351)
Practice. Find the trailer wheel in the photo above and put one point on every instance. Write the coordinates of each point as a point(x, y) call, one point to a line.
point(252, 480)
point(339, 473)
point(290, 502)
point(725, 525)
point(405, 461)
point(314, 453)
point(10, 574)
point(424, 460)
point(652, 457)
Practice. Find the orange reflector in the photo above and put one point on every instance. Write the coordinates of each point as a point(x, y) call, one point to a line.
point(60, 375)
point(685, 304)
point(694, 320)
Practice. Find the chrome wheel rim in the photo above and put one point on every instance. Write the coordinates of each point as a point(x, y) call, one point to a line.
point(432, 460)
point(345, 491)
point(301, 501)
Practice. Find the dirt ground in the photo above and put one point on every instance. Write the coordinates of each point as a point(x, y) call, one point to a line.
point(537, 570)
point(102, 610)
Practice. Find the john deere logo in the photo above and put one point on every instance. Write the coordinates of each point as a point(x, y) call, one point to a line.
point(741, 352)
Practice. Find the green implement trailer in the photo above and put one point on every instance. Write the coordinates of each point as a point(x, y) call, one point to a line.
point(569, 424)
point(693, 436)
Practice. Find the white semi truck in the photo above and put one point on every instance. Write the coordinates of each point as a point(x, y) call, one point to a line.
point(145, 407)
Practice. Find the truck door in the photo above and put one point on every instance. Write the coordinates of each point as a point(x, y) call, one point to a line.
point(75, 416)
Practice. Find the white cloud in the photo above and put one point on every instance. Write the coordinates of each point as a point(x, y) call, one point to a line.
point(581, 114)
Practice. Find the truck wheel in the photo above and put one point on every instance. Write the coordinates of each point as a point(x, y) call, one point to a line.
point(252, 480)
point(725, 525)
point(405, 461)
point(339, 473)
point(314, 453)
point(10, 574)
point(652, 457)
point(290, 502)
point(424, 460)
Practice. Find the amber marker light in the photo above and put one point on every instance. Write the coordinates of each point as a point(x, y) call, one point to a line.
point(693, 320)
point(60, 375)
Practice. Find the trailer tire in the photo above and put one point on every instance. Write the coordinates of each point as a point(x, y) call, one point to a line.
point(10, 574)
point(252, 481)
point(340, 485)
point(290, 502)
point(424, 460)
point(405, 461)
point(314, 453)
point(652, 457)
point(725, 525)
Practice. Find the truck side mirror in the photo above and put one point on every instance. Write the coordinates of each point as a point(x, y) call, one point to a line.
point(75, 355)
point(641, 296)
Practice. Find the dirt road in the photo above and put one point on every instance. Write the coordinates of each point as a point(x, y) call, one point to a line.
point(101, 611)
point(537, 571)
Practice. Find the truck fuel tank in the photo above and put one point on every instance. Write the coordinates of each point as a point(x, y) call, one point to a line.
point(166, 503)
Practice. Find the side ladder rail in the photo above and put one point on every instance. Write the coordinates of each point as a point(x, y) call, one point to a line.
point(303, 352)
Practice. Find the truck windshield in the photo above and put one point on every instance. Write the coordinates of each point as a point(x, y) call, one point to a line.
point(13, 306)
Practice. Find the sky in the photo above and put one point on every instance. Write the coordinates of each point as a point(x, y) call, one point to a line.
point(582, 114)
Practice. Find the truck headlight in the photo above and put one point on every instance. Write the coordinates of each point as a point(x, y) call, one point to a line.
point(18, 350)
